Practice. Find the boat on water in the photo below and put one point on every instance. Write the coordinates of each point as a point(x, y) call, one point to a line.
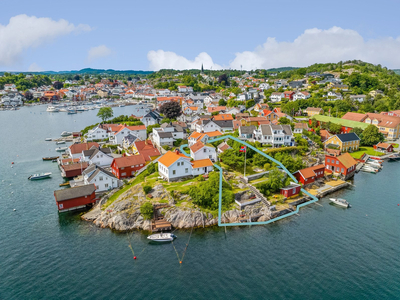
point(63, 110)
point(66, 133)
point(121, 105)
point(39, 176)
point(61, 149)
point(376, 158)
point(162, 237)
point(60, 142)
point(374, 164)
point(50, 158)
point(48, 139)
point(80, 108)
point(369, 169)
point(340, 202)
point(394, 157)
point(52, 109)
point(71, 111)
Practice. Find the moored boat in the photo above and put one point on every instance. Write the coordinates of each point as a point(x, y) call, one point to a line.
point(61, 149)
point(369, 169)
point(48, 139)
point(50, 158)
point(66, 133)
point(39, 176)
point(340, 202)
point(52, 109)
point(71, 111)
point(394, 157)
point(162, 237)
point(375, 158)
point(60, 142)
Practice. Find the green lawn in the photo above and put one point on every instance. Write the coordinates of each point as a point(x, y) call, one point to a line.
point(368, 150)
point(395, 145)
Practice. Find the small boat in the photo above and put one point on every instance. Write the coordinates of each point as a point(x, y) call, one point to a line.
point(121, 105)
point(162, 237)
point(39, 176)
point(340, 201)
point(375, 158)
point(80, 108)
point(48, 139)
point(66, 133)
point(71, 111)
point(63, 110)
point(394, 157)
point(60, 142)
point(50, 158)
point(52, 109)
point(369, 169)
point(54, 160)
point(61, 149)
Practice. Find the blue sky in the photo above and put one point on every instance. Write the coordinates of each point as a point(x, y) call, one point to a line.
point(148, 35)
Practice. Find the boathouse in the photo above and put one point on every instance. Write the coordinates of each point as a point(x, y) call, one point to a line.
point(75, 198)
point(309, 175)
point(384, 147)
point(291, 190)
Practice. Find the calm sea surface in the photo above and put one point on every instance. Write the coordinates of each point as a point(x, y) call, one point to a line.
point(324, 253)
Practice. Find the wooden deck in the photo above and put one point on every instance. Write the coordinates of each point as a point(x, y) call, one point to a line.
point(159, 223)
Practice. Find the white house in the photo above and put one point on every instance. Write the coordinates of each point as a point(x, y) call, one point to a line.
point(117, 137)
point(275, 135)
point(264, 86)
point(301, 95)
point(201, 151)
point(174, 166)
point(167, 134)
point(359, 98)
point(97, 133)
point(151, 118)
point(276, 96)
point(101, 178)
point(185, 89)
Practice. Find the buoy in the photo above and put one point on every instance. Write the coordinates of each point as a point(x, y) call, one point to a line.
point(14, 209)
point(134, 257)
point(180, 261)
point(398, 204)
point(12, 192)
point(12, 162)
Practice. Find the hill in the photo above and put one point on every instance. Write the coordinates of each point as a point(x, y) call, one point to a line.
point(88, 71)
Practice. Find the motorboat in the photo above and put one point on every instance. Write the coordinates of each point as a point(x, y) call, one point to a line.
point(63, 110)
point(71, 110)
point(340, 202)
point(52, 109)
point(162, 237)
point(66, 133)
point(61, 149)
point(369, 169)
point(60, 142)
point(394, 157)
point(39, 176)
point(50, 158)
point(374, 164)
point(376, 158)
point(80, 108)
point(48, 139)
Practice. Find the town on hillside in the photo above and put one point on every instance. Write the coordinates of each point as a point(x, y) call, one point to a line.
point(158, 164)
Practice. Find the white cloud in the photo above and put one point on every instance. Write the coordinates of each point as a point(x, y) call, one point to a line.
point(34, 68)
point(98, 52)
point(23, 32)
point(312, 46)
point(170, 60)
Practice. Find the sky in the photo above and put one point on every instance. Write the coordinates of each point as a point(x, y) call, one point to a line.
point(152, 35)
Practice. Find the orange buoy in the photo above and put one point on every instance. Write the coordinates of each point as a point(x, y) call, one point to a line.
point(180, 261)
point(12, 162)
point(134, 257)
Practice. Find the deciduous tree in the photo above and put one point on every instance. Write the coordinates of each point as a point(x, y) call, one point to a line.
point(171, 110)
point(105, 113)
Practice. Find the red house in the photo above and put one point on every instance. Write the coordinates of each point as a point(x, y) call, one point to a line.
point(75, 198)
point(309, 175)
point(70, 170)
point(384, 147)
point(291, 190)
point(124, 167)
point(343, 164)
point(288, 94)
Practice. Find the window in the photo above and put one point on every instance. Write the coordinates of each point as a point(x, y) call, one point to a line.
point(186, 170)
point(101, 178)
point(204, 150)
point(61, 206)
point(338, 169)
point(173, 172)
point(342, 170)
point(123, 174)
point(337, 162)
point(122, 168)
point(328, 160)
point(106, 185)
point(178, 164)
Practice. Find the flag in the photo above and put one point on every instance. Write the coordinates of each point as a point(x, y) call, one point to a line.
point(242, 149)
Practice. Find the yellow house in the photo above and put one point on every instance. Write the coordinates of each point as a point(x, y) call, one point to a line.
point(336, 86)
point(346, 142)
point(102, 93)
point(311, 111)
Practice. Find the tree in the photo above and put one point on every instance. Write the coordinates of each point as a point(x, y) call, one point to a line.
point(58, 85)
point(171, 110)
point(105, 113)
point(28, 95)
point(146, 209)
point(223, 79)
point(371, 136)
point(358, 131)
point(222, 102)
point(335, 128)
point(147, 189)
point(284, 120)
point(77, 77)
point(250, 103)
point(149, 129)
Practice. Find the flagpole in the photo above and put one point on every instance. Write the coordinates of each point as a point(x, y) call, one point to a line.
point(245, 156)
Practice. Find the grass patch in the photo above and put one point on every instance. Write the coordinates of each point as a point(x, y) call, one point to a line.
point(395, 145)
point(369, 150)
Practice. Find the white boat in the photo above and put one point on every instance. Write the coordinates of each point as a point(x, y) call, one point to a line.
point(121, 105)
point(369, 169)
point(63, 110)
point(162, 237)
point(80, 108)
point(52, 109)
point(374, 164)
point(60, 142)
point(340, 201)
point(71, 110)
point(39, 176)
point(61, 149)
point(66, 133)
point(48, 139)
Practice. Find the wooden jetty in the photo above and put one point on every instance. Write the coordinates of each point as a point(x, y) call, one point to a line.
point(159, 223)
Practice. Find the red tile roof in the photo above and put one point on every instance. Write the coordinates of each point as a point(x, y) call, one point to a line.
point(129, 161)
point(78, 148)
point(310, 172)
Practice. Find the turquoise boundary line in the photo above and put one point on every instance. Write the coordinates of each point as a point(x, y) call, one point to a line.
point(314, 199)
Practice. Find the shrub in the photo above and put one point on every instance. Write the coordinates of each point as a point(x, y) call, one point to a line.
point(147, 189)
point(147, 210)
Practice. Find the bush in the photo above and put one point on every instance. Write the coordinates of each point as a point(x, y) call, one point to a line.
point(147, 210)
point(200, 178)
point(147, 189)
point(166, 147)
